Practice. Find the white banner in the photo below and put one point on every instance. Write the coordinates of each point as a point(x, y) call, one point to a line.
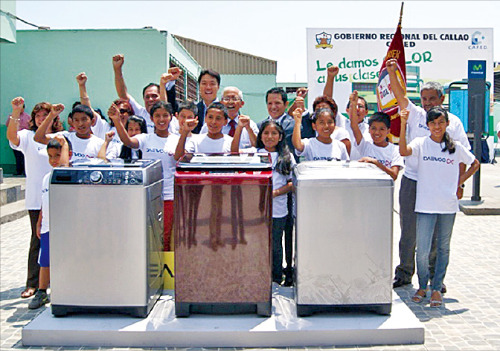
point(431, 54)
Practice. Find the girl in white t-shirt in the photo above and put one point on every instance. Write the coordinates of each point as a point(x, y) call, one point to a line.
point(159, 145)
point(135, 125)
point(438, 173)
point(323, 147)
point(36, 166)
point(271, 139)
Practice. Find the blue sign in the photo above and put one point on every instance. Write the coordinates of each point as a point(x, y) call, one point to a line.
point(477, 69)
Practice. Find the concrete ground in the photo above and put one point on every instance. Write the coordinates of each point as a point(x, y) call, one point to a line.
point(469, 319)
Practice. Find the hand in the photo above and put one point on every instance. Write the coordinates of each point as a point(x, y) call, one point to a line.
point(57, 109)
point(297, 115)
point(175, 72)
point(114, 113)
point(17, 104)
point(353, 98)
point(109, 136)
point(61, 139)
point(332, 71)
point(392, 65)
point(460, 192)
point(118, 61)
point(188, 125)
point(368, 160)
point(404, 116)
point(81, 78)
point(302, 92)
point(38, 234)
point(57, 125)
point(244, 121)
point(165, 78)
point(300, 103)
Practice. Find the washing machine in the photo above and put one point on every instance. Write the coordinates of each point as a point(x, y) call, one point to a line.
point(343, 237)
point(106, 232)
point(222, 231)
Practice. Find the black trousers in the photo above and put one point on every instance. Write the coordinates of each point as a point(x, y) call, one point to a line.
point(33, 267)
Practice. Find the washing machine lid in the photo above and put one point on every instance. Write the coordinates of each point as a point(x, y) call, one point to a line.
point(99, 163)
point(227, 161)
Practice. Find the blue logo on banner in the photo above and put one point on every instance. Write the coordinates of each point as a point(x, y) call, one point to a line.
point(477, 69)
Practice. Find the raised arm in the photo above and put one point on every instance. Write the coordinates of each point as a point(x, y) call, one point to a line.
point(121, 88)
point(104, 148)
point(41, 132)
point(251, 134)
point(114, 115)
point(17, 108)
point(404, 149)
point(353, 114)
point(65, 156)
point(299, 101)
point(296, 138)
point(396, 88)
point(184, 130)
point(81, 79)
point(332, 72)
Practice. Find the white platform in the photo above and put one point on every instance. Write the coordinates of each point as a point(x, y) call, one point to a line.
point(282, 329)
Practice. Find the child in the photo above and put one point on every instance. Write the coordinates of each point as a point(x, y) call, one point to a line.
point(379, 152)
point(135, 125)
point(159, 145)
point(271, 138)
point(322, 147)
point(439, 159)
point(85, 144)
point(59, 151)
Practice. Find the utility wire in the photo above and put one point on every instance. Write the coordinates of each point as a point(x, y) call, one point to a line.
point(20, 19)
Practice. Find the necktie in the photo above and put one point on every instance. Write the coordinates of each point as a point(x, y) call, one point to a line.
point(232, 128)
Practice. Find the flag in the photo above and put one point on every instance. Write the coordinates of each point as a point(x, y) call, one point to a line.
point(386, 100)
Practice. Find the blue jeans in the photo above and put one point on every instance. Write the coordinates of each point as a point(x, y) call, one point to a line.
point(427, 223)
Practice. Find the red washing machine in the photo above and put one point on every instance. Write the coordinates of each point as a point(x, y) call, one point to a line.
point(223, 217)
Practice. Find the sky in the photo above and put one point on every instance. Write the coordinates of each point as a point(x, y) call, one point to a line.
point(274, 30)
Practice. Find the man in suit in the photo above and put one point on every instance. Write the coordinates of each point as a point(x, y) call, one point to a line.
point(277, 103)
point(209, 83)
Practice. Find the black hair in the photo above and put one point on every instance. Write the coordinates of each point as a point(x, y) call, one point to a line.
point(362, 98)
point(211, 73)
point(55, 144)
point(435, 113)
point(327, 100)
point(188, 105)
point(150, 85)
point(284, 161)
point(219, 106)
point(380, 117)
point(161, 104)
point(317, 113)
point(279, 91)
point(82, 109)
point(126, 152)
point(99, 112)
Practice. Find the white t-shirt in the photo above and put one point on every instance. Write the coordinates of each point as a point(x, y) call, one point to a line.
point(45, 203)
point(438, 174)
point(417, 127)
point(114, 150)
point(102, 127)
point(339, 134)
point(83, 149)
point(36, 166)
point(244, 139)
point(364, 128)
point(280, 208)
point(389, 156)
point(203, 143)
point(315, 150)
point(154, 147)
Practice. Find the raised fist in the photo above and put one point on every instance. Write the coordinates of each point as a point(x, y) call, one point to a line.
point(333, 71)
point(17, 103)
point(302, 92)
point(118, 61)
point(165, 78)
point(297, 114)
point(114, 113)
point(175, 72)
point(57, 109)
point(81, 78)
point(404, 115)
point(109, 136)
point(244, 121)
point(392, 65)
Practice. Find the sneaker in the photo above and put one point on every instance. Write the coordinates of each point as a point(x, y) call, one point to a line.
point(40, 299)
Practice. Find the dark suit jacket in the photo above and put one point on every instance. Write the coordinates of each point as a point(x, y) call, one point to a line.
point(201, 117)
point(172, 98)
point(287, 124)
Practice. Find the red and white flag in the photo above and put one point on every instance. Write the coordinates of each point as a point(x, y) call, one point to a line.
point(386, 100)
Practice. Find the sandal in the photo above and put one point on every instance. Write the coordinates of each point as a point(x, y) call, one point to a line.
point(436, 299)
point(28, 292)
point(419, 296)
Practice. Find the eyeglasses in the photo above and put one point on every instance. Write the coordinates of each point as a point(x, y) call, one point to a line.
point(122, 110)
point(230, 98)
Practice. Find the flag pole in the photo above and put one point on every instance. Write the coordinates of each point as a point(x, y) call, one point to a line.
point(401, 14)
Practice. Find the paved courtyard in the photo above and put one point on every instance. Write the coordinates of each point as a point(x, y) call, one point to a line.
point(470, 319)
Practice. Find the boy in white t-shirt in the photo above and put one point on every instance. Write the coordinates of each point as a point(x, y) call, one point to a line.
point(323, 147)
point(59, 151)
point(85, 145)
point(379, 151)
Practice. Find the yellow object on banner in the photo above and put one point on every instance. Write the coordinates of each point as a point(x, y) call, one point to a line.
point(168, 270)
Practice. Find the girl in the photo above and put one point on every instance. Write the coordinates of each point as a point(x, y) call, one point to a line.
point(271, 139)
point(135, 125)
point(37, 165)
point(159, 145)
point(322, 147)
point(436, 203)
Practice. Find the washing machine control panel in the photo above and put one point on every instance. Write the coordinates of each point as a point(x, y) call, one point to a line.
point(97, 177)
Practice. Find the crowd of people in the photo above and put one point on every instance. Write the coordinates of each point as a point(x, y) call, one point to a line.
point(433, 143)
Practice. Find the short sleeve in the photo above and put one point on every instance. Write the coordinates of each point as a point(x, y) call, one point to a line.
point(306, 147)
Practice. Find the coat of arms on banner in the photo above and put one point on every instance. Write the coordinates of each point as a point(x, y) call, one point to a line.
point(324, 40)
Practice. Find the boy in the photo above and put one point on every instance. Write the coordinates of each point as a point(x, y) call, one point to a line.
point(85, 144)
point(59, 151)
point(379, 152)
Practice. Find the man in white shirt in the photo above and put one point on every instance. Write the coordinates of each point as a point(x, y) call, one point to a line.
point(431, 95)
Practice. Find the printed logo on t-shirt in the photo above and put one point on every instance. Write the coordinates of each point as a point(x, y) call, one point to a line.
point(420, 125)
point(80, 155)
point(448, 161)
point(153, 149)
point(41, 148)
point(46, 190)
point(386, 163)
point(325, 158)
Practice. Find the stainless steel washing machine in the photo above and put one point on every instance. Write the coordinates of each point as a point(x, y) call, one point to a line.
point(106, 232)
point(344, 237)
